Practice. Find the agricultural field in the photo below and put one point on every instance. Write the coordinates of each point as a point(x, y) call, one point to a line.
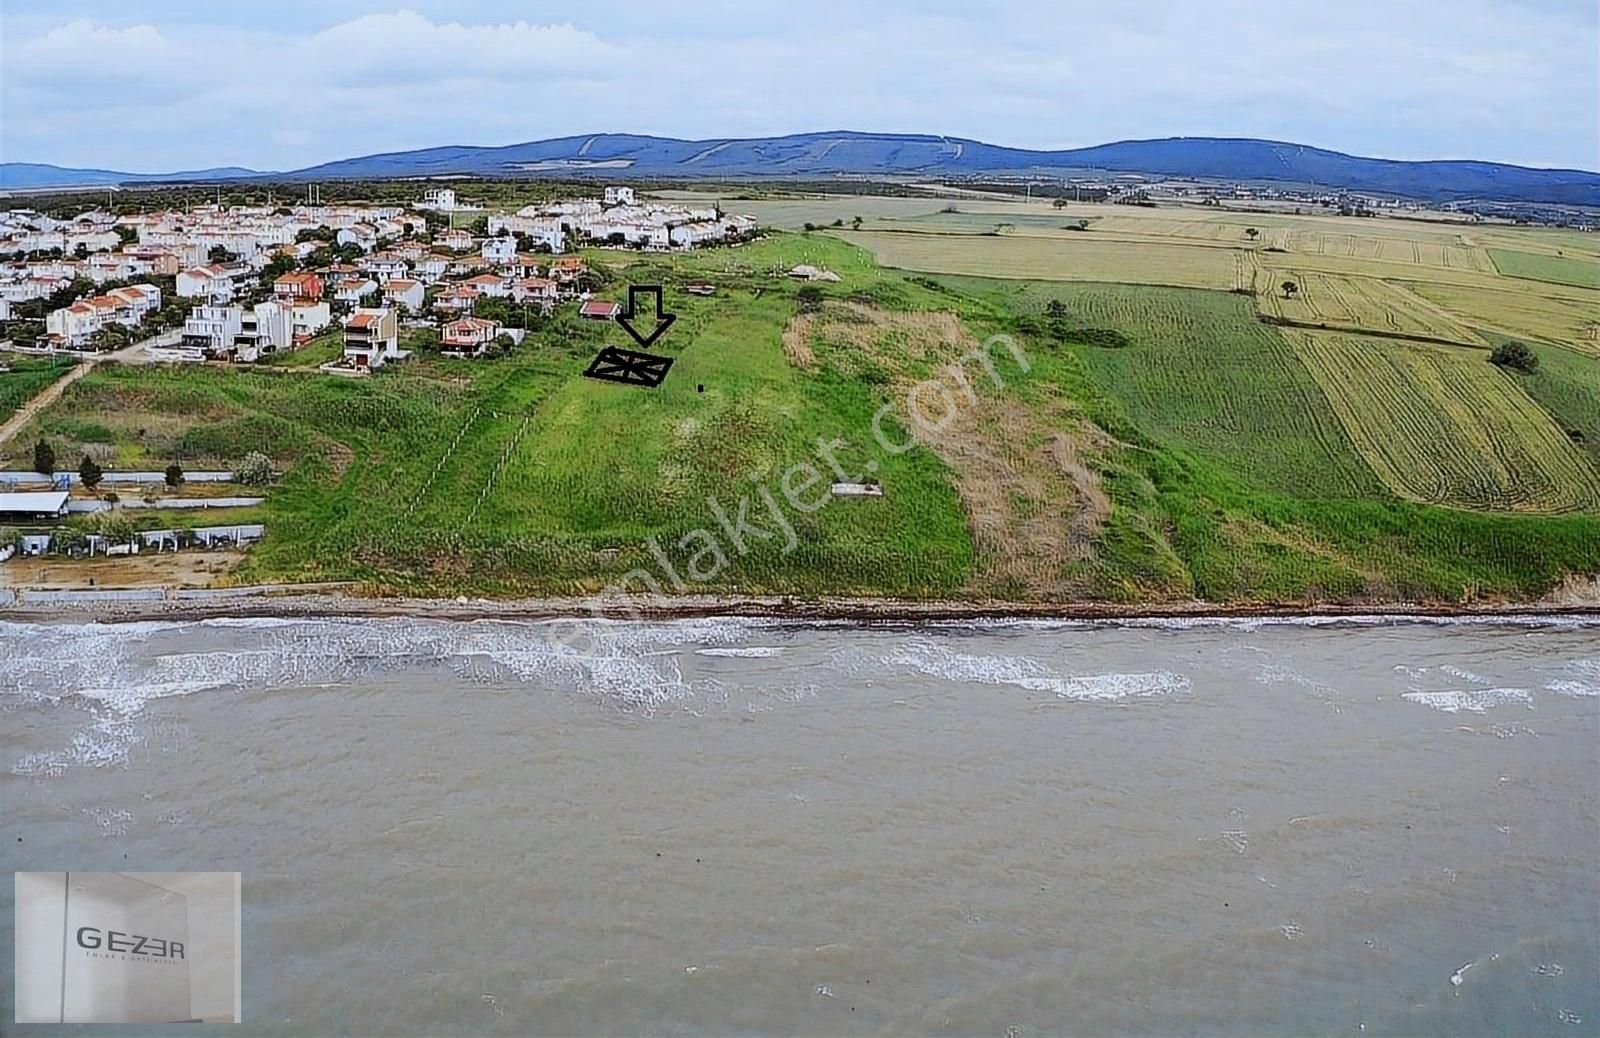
point(1584, 272)
point(1568, 317)
point(1442, 425)
point(25, 376)
point(1201, 373)
point(1356, 303)
point(1082, 257)
point(791, 214)
point(1162, 444)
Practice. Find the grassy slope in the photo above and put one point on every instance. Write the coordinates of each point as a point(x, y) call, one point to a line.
point(1231, 478)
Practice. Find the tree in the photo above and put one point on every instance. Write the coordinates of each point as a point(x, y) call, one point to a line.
point(1289, 289)
point(1060, 203)
point(220, 254)
point(1055, 309)
point(1083, 225)
point(255, 470)
point(279, 266)
point(1515, 355)
point(809, 298)
point(44, 458)
point(89, 472)
point(855, 223)
point(174, 475)
point(1251, 233)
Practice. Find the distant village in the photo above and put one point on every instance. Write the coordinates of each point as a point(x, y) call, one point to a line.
point(239, 283)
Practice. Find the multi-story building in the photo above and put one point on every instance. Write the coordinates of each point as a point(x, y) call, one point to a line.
point(212, 328)
point(371, 337)
point(267, 328)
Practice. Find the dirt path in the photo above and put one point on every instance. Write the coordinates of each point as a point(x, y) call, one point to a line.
point(131, 354)
point(41, 400)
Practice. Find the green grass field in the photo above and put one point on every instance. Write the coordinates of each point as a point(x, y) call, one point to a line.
point(1163, 444)
point(24, 377)
point(1562, 270)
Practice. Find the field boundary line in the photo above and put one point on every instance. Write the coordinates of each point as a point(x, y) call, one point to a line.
point(1376, 333)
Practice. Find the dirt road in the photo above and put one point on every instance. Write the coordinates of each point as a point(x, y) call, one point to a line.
point(131, 354)
point(41, 400)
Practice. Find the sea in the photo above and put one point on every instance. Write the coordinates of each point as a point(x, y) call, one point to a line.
point(1362, 826)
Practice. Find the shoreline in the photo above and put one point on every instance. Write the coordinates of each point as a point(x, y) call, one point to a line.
point(286, 603)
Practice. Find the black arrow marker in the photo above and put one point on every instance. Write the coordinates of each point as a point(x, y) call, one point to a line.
point(663, 320)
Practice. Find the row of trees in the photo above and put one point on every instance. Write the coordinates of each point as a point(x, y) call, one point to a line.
point(254, 469)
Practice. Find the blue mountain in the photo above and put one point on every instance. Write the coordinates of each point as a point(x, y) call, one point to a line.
point(888, 154)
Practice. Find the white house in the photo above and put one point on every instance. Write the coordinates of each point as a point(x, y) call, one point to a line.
point(354, 289)
point(212, 328)
point(619, 196)
point(498, 285)
point(363, 235)
point(384, 265)
point(441, 198)
point(403, 292)
point(75, 325)
point(214, 281)
point(307, 319)
point(431, 268)
point(501, 249)
point(266, 329)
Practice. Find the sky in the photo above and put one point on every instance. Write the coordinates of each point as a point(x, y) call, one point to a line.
point(158, 86)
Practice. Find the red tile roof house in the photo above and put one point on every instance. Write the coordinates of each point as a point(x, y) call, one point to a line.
point(600, 310)
point(298, 285)
point(456, 297)
point(566, 269)
point(536, 290)
point(468, 335)
point(490, 284)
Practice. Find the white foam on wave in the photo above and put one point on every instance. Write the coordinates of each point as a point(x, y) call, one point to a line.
point(749, 652)
point(1473, 700)
point(115, 670)
point(1579, 678)
point(938, 661)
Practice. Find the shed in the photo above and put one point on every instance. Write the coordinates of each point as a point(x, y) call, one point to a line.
point(33, 506)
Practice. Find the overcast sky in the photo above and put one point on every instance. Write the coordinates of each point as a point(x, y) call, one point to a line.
point(157, 86)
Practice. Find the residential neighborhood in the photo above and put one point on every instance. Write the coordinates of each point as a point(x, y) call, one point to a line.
point(241, 283)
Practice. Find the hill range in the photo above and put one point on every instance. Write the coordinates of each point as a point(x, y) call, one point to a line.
point(850, 153)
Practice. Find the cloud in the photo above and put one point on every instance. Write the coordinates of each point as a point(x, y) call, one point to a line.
point(1402, 78)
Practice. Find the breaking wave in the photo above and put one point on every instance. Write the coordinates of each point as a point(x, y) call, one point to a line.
point(1473, 700)
point(114, 671)
point(935, 660)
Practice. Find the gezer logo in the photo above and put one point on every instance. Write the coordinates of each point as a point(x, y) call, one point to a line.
point(94, 938)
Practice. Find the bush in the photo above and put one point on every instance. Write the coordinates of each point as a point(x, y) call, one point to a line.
point(89, 472)
point(254, 470)
point(174, 475)
point(1515, 355)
